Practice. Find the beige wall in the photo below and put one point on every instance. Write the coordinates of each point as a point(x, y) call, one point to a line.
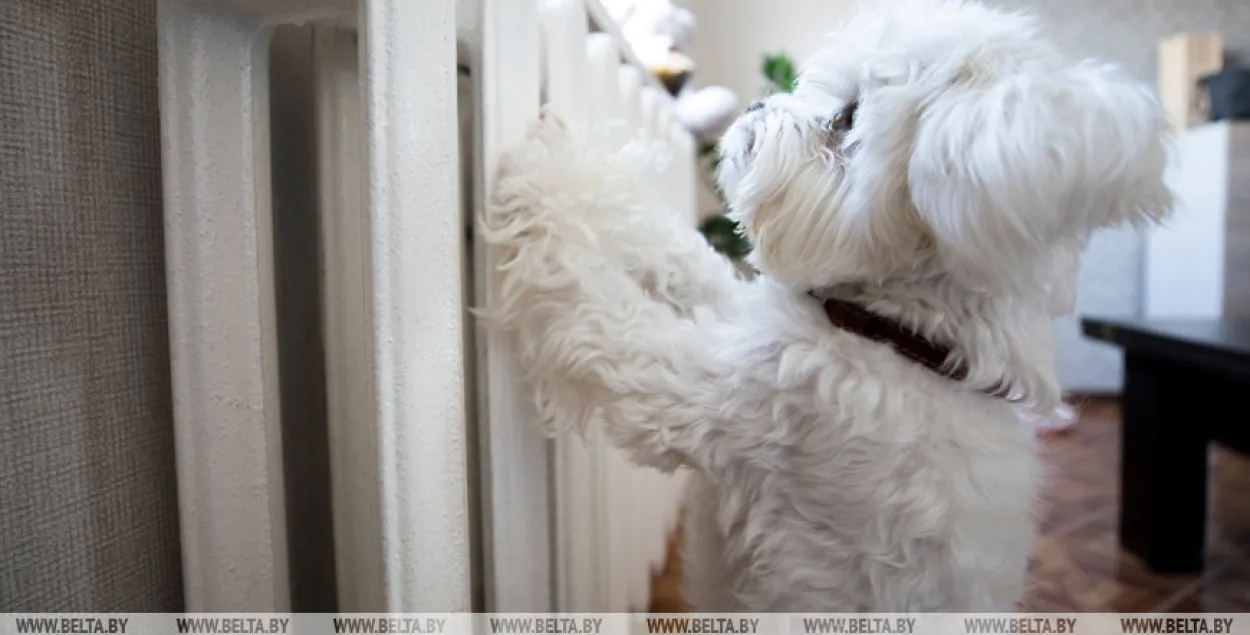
point(734, 34)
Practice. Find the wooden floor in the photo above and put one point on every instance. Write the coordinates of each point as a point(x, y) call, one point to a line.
point(1078, 566)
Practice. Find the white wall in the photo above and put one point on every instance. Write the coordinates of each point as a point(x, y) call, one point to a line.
point(734, 34)
point(1184, 272)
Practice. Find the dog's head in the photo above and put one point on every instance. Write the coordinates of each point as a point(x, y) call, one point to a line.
point(940, 134)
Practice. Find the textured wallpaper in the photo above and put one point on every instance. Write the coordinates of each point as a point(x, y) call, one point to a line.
point(1127, 32)
point(88, 503)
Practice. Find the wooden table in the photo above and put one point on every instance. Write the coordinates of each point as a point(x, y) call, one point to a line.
point(1186, 384)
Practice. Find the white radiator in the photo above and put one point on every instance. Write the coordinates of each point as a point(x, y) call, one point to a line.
point(612, 519)
point(561, 525)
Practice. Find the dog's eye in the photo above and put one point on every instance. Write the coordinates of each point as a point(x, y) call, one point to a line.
point(844, 120)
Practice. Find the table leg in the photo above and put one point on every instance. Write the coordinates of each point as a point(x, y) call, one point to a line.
point(1163, 477)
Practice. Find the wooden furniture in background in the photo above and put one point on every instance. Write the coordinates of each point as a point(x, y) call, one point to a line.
point(1182, 390)
point(1184, 59)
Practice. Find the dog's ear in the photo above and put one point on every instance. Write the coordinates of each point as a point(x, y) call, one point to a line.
point(1004, 168)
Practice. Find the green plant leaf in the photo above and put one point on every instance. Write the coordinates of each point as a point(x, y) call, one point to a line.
point(780, 72)
point(726, 237)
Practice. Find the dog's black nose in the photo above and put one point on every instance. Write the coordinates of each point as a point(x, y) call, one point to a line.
point(755, 105)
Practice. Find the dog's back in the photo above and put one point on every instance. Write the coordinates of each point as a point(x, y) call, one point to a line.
point(873, 485)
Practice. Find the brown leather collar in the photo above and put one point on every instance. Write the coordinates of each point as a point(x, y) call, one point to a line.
point(936, 357)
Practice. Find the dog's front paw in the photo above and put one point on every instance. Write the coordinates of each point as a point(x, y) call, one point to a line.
point(550, 129)
point(560, 198)
point(532, 214)
point(548, 144)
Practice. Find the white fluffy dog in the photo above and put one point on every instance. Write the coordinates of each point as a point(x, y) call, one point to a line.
point(939, 165)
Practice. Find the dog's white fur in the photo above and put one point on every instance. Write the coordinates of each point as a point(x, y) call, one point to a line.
point(830, 473)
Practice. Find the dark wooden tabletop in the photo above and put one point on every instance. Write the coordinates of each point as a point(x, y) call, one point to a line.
point(1222, 344)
